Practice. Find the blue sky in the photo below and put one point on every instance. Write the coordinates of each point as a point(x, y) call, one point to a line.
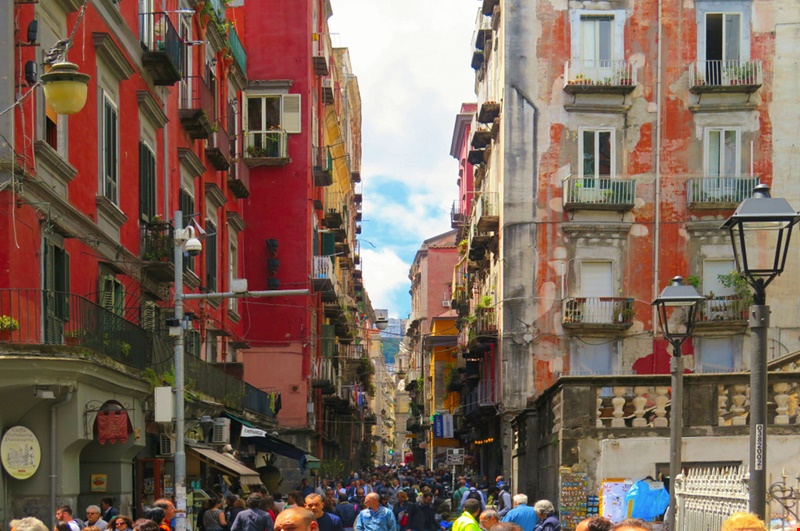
point(412, 61)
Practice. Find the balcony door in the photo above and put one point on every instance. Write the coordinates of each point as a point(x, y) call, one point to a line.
point(723, 51)
point(56, 292)
point(596, 285)
point(723, 162)
point(597, 46)
point(718, 305)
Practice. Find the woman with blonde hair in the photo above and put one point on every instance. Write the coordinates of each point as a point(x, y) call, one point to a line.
point(743, 522)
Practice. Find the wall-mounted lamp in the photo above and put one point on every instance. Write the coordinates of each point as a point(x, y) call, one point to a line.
point(65, 88)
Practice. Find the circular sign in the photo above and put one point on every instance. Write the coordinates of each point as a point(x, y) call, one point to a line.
point(20, 452)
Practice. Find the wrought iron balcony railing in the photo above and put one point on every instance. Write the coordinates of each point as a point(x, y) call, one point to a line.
point(237, 50)
point(197, 111)
point(719, 192)
point(59, 318)
point(598, 194)
point(731, 76)
point(163, 48)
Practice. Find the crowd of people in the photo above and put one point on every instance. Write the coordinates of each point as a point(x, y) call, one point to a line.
point(399, 500)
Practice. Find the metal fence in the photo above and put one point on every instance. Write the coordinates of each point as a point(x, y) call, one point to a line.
point(706, 497)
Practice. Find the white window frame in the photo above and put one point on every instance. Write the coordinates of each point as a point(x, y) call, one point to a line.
point(723, 7)
point(104, 173)
point(612, 147)
point(290, 127)
point(233, 265)
point(617, 31)
point(737, 170)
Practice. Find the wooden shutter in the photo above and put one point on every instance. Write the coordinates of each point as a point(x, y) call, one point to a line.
point(187, 207)
point(211, 256)
point(110, 151)
point(51, 324)
point(147, 183)
point(61, 280)
point(291, 113)
point(149, 316)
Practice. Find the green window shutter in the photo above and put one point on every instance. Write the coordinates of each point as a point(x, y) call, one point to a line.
point(107, 293)
point(328, 335)
point(210, 248)
point(149, 316)
point(61, 282)
point(110, 152)
point(328, 244)
point(147, 183)
point(291, 113)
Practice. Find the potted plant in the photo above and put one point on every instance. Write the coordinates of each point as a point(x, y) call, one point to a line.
point(7, 325)
point(74, 337)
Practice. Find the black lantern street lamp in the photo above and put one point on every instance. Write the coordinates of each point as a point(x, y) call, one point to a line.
point(760, 232)
point(677, 312)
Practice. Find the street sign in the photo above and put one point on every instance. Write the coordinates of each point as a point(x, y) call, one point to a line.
point(455, 456)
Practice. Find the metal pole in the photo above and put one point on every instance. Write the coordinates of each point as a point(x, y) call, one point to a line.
point(675, 428)
point(759, 323)
point(180, 414)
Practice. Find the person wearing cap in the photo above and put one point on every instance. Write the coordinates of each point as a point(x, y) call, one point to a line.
point(504, 504)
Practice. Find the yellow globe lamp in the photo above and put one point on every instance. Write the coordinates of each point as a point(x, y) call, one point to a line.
point(65, 88)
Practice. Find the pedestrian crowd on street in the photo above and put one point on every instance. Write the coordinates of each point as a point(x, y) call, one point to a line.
point(387, 500)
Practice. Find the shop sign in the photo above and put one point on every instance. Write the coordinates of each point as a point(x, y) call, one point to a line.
point(20, 452)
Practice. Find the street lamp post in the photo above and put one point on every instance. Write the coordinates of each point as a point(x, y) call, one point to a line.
point(760, 232)
point(674, 297)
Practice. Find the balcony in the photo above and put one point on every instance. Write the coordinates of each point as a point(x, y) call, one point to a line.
point(218, 149)
point(59, 318)
point(322, 274)
point(485, 212)
point(488, 111)
point(485, 322)
point(481, 137)
point(599, 194)
point(333, 219)
point(239, 180)
point(457, 217)
point(237, 50)
point(265, 148)
point(598, 314)
point(477, 59)
point(323, 166)
point(327, 90)
point(163, 48)
point(320, 54)
point(590, 76)
point(488, 6)
point(476, 156)
point(197, 110)
point(708, 77)
point(323, 374)
point(714, 193)
point(157, 251)
point(257, 401)
point(727, 312)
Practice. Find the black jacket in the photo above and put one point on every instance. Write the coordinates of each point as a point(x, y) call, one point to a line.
point(422, 518)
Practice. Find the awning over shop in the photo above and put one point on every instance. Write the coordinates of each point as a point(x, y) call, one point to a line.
point(265, 442)
point(224, 463)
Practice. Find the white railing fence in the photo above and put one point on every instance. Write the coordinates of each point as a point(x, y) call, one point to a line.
point(706, 497)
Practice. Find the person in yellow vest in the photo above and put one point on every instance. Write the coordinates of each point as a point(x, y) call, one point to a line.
point(468, 521)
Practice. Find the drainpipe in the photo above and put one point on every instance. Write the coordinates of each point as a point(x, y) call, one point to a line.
point(657, 221)
point(53, 469)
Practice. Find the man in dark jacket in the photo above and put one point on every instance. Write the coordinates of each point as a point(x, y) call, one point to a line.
point(548, 520)
point(422, 515)
point(254, 518)
point(325, 521)
point(347, 512)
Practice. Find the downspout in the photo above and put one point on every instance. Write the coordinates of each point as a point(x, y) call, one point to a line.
point(165, 134)
point(53, 469)
point(657, 221)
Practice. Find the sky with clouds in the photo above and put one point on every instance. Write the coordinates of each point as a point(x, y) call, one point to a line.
point(412, 59)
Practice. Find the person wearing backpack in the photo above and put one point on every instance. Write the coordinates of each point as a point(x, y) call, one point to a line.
point(473, 494)
point(503, 503)
point(347, 512)
point(422, 515)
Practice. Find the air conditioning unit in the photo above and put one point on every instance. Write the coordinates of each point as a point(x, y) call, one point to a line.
point(446, 303)
point(221, 433)
point(166, 445)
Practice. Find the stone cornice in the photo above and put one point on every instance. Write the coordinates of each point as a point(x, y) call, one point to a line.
point(215, 194)
point(235, 221)
point(191, 162)
point(587, 229)
point(151, 109)
point(53, 162)
point(112, 55)
point(111, 211)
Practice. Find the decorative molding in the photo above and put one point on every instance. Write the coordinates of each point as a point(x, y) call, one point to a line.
point(53, 163)
point(191, 279)
point(215, 194)
point(269, 86)
point(107, 209)
point(596, 108)
point(235, 221)
point(237, 77)
point(70, 6)
point(112, 56)
point(191, 162)
point(584, 229)
point(722, 107)
point(151, 109)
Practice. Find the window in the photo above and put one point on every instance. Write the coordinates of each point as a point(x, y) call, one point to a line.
point(723, 36)
point(112, 295)
point(596, 40)
point(147, 182)
point(210, 247)
point(717, 354)
point(597, 153)
point(110, 150)
point(233, 266)
point(596, 285)
point(591, 358)
point(723, 152)
point(56, 291)
point(269, 119)
point(187, 208)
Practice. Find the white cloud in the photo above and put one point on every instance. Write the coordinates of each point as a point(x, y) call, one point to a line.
point(385, 278)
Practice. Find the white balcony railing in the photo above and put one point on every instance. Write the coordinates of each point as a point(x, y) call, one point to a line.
point(587, 72)
point(725, 73)
point(322, 268)
point(265, 144)
point(727, 189)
